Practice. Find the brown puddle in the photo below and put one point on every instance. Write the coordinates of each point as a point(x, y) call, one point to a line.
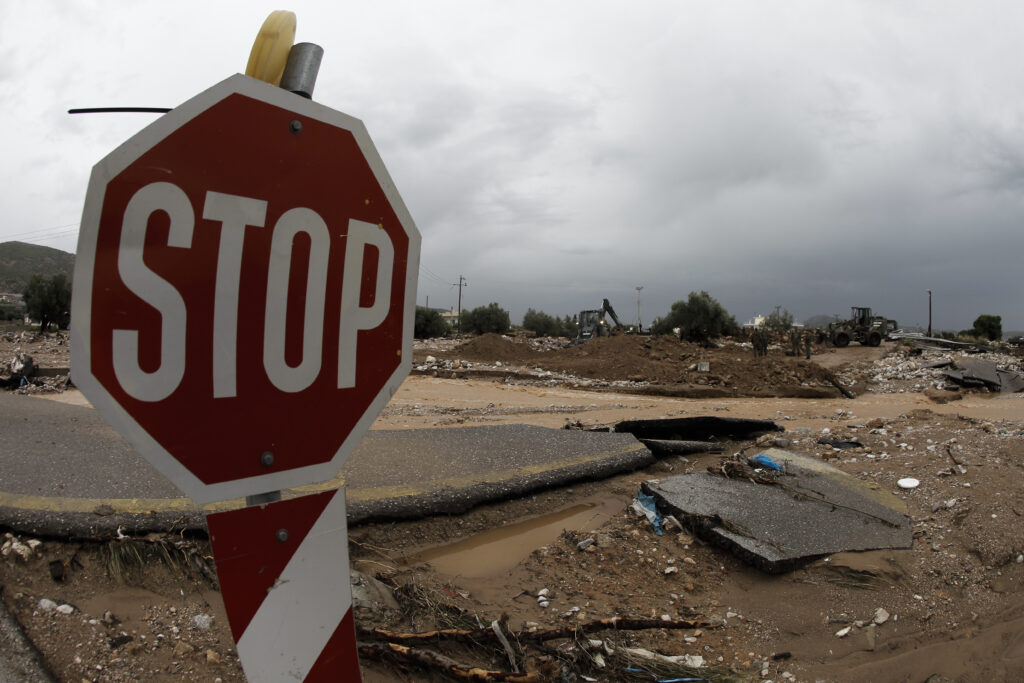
point(492, 552)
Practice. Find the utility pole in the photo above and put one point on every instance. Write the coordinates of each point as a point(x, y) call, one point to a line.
point(639, 327)
point(462, 283)
point(929, 312)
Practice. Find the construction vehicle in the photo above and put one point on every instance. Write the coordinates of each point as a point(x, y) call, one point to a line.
point(592, 323)
point(862, 327)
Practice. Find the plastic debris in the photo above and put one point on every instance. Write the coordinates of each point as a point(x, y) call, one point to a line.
point(764, 461)
point(840, 443)
point(644, 505)
point(635, 670)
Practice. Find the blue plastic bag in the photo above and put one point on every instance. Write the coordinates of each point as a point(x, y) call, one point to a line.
point(650, 509)
point(765, 461)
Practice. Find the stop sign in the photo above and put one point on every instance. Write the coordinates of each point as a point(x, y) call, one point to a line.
point(244, 290)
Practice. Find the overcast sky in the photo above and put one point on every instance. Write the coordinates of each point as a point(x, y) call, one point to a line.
point(809, 155)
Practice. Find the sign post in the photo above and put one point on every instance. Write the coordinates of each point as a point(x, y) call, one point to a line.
point(244, 298)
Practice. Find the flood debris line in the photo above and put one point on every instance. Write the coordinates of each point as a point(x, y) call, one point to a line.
point(777, 520)
point(396, 646)
point(535, 634)
point(432, 660)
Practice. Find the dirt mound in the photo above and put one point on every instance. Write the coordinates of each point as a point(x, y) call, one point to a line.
point(495, 347)
point(730, 369)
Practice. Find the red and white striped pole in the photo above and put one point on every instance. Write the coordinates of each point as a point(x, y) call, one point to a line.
point(284, 575)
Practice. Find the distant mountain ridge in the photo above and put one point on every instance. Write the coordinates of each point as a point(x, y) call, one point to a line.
point(19, 261)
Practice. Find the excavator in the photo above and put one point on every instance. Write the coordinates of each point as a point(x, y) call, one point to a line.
point(592, 323)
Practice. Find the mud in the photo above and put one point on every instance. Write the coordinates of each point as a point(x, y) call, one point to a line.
point(954, 597)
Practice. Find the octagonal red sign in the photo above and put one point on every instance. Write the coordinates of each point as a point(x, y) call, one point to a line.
point(244, 290)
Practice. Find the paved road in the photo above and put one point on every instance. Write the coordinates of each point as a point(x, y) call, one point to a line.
point(65, 472)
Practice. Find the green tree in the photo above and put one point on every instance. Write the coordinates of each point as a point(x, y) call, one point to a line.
point(484, 319)
point(989, 327)
point(544, 325)
point(48, 300)
point(429, 324)
point(700, 319)
point(779, 321)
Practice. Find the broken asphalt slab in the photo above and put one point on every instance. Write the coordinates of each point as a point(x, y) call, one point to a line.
point(813, 510)
point(698, 428)
point(65, 472)
point(459, 468)
point(976, 372)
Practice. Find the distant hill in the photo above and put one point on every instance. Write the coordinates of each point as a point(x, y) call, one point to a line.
point(20, 261)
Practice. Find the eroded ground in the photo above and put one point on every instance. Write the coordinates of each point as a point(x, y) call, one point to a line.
point(952, 604)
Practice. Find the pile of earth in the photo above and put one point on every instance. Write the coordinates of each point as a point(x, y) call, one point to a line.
point(665, 362)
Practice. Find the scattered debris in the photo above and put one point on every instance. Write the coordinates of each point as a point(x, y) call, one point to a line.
point(16, 547)
point(840, 443)
point(644, 505)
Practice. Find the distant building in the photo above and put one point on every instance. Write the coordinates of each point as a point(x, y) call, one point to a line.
point(757, 322)
point(12, 306)
point(450, 317)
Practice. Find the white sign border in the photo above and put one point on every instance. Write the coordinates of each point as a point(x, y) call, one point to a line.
point(81, 368)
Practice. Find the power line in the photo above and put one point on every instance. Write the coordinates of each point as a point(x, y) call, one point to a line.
point(433, 277)
point(31, 233)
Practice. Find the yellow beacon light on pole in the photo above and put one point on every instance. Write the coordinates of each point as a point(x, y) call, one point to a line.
point(270, 49)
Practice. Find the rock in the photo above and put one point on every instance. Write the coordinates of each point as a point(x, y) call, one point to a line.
point(941, 396)
point(181, 648)
point(369, 593)
point(65, 609)
point(585, 543)
point(47, 605)
point(843, 632)
point(119, 640)
point(430, 360)
point(212, 657)
point(671, 570)
point(881, 616)
point(203, 622)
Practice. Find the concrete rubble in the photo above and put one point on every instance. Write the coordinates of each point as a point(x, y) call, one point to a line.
point(778, 520)
point(915, 370)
